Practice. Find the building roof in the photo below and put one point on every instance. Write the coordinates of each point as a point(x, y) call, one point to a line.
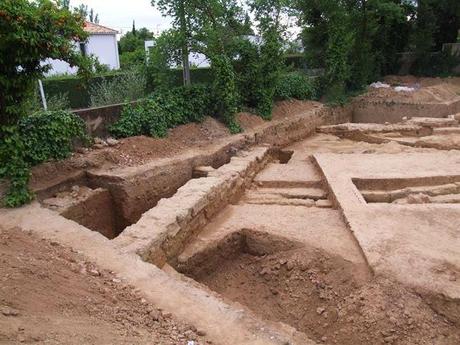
point(96, 29)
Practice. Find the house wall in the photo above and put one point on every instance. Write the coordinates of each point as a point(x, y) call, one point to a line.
point(104, 47)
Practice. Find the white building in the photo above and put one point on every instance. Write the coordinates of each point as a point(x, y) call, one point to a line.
point(102, 43)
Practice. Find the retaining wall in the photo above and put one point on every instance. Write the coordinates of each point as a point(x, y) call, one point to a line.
point(163, 231)
point(98, 120)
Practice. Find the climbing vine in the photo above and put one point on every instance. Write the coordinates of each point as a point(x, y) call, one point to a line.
point(35, 139)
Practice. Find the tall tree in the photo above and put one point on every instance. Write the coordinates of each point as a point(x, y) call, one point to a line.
point(216, 22)
point(271, 26)
point(179, 10)
point(87, 13)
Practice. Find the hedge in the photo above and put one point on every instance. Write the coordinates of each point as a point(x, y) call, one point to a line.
point(75, 88)
point(78, 91)
point(296, 61)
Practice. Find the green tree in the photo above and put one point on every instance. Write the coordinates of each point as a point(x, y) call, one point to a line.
point(134, 40)
point(269, 16)
point(31, 33)
point(87, 13)
point(216, 26)
point(132, 47)
point(180, 11)
point(163, 55)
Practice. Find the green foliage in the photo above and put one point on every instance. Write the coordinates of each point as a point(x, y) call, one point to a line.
point(75, 87)
point(224, 91)
point(50, 134)
point(163, 110)
point(131, 47)
point(36, 138)
point(268, 14)
point(122, 88)
point(33, 31)
point(129, 60)
point(295, 85)
point(134, 40)
point(440, 64)
point(165, 53)
point(246, 67)
point(33, 103)
point(14, 168)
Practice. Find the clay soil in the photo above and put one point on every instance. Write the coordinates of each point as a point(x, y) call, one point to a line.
point(51, 295)
point(324, 297)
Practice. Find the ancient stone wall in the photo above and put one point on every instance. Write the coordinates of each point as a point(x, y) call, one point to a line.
point(162, 232)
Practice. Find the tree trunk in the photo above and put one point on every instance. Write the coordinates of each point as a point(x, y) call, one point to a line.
point(185, 51)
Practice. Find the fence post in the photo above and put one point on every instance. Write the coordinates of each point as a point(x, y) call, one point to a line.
point(42, 94)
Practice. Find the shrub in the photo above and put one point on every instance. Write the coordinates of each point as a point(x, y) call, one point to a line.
point(295, 85)
point(122, 88)
point(37, 138)
point(163, 110)
point(50, 134)
point(59, 101)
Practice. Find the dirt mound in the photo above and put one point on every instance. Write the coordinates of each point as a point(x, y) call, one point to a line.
point(44, 283)
point(408, 80)
point(139, 150)
point(427, 90)
point(323, 296)
point(249, 121)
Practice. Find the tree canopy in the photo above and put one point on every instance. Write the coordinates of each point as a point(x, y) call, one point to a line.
point(32, 32)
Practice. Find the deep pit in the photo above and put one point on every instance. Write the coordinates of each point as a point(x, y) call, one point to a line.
point(328, 298)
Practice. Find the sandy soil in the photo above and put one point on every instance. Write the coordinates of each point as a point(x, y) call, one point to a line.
point(51, 295)
point(320, 295)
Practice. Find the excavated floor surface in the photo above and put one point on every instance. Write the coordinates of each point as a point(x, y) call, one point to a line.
point(348, 237)
point(300, 264)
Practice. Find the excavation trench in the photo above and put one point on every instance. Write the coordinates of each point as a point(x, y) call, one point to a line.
point(109, 203)
point(279, 280)
point(422, 190)
point(331, 300)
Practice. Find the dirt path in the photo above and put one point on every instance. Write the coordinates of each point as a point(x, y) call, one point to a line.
point(51, 295)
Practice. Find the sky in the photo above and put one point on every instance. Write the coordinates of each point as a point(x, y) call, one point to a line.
point(119, 15)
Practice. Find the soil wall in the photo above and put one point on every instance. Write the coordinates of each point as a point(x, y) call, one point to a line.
point(393, 112)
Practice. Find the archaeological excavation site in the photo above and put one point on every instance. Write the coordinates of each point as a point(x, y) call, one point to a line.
point(326, 225)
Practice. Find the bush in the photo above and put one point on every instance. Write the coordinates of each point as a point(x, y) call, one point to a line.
point(59, 101)
point(122, 88)
point(50, 135)
point(163, 110)
point(75, 87)
point(295, 85)
point(440, 64)
point(38, 138)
